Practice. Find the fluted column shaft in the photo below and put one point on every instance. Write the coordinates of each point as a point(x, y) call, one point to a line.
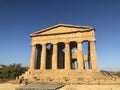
point(93, 57)
point(80, 56)
point(54, 57)
point(32, 61)
point(67, 56)
point(43, 57)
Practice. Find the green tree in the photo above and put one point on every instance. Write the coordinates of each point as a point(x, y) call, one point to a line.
point(12, 71)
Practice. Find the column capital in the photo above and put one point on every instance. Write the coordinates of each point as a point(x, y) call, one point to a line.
point(92, 41)
point(79, 42)
point(55, 43)
point(43, 44)
point(67, 42)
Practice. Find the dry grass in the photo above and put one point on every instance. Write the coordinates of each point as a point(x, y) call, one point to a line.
point(8, 86)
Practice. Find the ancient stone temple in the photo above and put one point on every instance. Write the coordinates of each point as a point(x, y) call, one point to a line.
point(57, 54)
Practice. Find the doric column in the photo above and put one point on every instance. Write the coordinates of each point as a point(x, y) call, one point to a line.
point(80, 56)
point(43, 57)
point(32, 61)
point(54, 57)
point(93, 57)
point(67, 56)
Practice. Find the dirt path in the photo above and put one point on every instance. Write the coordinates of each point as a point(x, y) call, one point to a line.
point(8, 86)
point(91, 87)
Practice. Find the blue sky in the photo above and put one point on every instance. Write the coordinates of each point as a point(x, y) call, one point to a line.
point(20, 18)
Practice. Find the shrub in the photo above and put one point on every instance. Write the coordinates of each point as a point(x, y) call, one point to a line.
point(12, 71)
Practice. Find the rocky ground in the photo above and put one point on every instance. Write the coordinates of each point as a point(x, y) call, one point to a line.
point(9, 86)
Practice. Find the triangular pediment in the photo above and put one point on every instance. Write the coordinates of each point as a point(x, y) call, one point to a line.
point(62, 29)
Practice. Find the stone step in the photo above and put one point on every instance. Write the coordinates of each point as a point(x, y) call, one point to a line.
point(63, 76)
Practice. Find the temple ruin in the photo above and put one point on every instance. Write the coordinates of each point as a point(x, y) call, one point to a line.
point(57, 54)
point(52, 48)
